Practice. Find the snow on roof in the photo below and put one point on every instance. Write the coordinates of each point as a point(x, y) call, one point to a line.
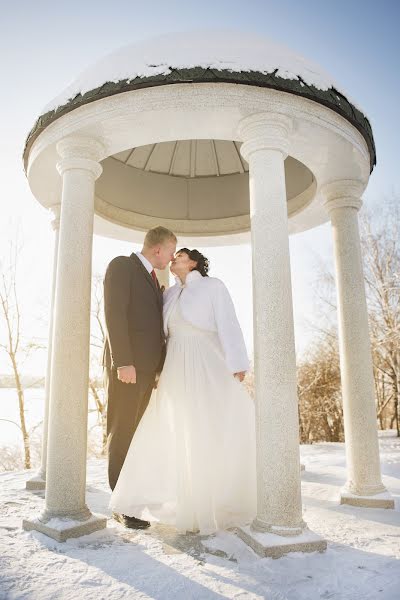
point(233, 51)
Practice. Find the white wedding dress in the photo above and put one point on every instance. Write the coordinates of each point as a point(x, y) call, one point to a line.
point(192, 461)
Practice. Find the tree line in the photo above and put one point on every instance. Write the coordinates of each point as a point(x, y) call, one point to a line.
point(319, 389)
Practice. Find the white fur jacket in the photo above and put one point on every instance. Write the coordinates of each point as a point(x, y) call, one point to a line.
point(205, 302)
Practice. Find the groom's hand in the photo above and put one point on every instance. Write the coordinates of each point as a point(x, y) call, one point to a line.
point(240, 375)
point(127, 374)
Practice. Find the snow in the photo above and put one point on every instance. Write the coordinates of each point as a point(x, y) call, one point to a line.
point(65, 523)
point(270, 539)
point(361, 562)
point(219, 50)
point(381, 496)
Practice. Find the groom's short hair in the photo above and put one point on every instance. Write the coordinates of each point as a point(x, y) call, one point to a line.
point(158, 235)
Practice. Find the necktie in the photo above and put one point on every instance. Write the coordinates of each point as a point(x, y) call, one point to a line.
point(154, 276)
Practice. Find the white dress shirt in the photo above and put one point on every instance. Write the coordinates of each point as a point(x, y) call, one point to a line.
point(146, 263)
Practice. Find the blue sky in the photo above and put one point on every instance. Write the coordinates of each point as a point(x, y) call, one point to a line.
point(44, 45)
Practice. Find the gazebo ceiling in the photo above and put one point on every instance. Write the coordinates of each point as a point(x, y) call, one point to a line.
point(204, 57)
point(187, 158)
point(190, 180)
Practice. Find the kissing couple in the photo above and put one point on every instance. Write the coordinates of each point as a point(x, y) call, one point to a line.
point(180, 424)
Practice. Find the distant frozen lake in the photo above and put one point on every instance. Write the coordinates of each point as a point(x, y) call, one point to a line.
point(10, 435)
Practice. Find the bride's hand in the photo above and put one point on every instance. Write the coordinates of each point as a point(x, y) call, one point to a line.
point(240, 375)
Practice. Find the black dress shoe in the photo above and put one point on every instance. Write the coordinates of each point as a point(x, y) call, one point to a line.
point(131, 522)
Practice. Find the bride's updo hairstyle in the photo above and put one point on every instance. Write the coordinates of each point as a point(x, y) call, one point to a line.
point(202, 264)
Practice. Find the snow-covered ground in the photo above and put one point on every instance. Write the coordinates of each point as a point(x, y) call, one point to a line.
point(362, 560)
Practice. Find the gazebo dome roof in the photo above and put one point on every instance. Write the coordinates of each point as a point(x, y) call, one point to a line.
point(199, 57)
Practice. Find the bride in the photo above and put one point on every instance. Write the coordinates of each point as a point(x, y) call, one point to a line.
point(191, 462)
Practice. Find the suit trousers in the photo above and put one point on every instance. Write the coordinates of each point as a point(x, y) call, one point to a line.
point(126, 403)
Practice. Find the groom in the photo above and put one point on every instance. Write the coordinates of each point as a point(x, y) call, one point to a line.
point(134, 349)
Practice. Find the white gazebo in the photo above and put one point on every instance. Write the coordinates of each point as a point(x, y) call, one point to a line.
point(223, 138)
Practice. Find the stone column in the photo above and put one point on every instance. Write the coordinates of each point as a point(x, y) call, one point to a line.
point(279, 513)
point(66, 514)
point(39, 481)
point(364, 485)
point(163, 277)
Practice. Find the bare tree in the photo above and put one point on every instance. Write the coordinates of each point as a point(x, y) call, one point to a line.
point(381, 249)
point(319, 393)
point(97, 339)
point(381, 255)
point(13, 346)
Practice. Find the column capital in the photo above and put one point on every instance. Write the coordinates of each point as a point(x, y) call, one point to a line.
point(80, 153)
point(345, 193)
point(55, 216)
point(265, 131)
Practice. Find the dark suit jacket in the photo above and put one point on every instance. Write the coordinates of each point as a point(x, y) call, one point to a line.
point(133, 313)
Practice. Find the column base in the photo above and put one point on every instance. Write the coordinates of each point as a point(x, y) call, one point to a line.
point(37, 482)
point(60, 529)
point(382, 500)
point(274, 546)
